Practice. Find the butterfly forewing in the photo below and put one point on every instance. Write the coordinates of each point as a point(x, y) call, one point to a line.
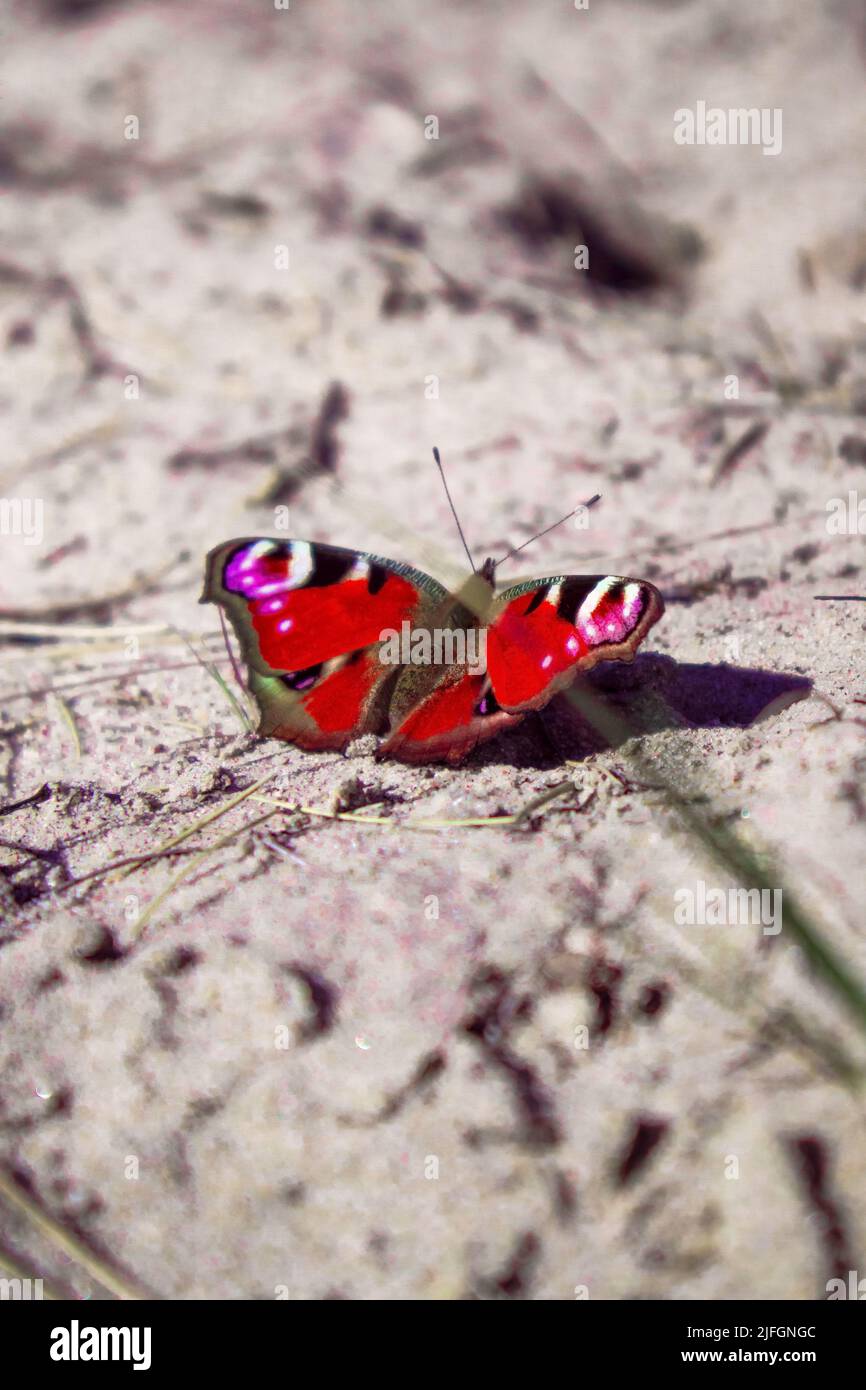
point(309, 618)
point(297, 603)
point(543, 632)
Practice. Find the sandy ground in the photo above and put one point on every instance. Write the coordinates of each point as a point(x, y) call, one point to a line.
point(313, 1057)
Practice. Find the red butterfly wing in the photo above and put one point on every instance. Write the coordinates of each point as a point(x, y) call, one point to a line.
point(543, 632)
point(449, 721)
point(305, 603)
point(309, 618)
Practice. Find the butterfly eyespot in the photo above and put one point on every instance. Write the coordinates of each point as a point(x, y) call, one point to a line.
point(302, 680)
point(488, 704)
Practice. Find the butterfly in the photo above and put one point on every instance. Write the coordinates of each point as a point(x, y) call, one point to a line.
point(317, 626)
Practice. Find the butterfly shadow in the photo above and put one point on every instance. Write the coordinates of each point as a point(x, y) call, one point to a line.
point(653, 693)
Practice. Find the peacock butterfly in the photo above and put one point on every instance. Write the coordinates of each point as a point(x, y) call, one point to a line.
point(340, 643)
point(313, 620)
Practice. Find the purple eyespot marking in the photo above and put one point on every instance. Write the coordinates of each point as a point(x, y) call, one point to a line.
point(247, 573)
point(301, 680)
point(266, 568)
point(610, 612)
point(488, 704)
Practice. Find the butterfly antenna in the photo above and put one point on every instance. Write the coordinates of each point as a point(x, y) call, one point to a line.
point(451, 505)
point(591, 503)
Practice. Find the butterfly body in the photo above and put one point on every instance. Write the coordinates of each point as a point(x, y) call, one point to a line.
point(339, 643)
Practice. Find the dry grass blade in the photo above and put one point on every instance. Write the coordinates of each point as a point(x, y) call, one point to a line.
point(297, 809)
point(741, 446)
point(69, 720)
point(246, 722)
point(432, 823)
point(69, 1244)
point(224, 840)
point(552, 793)
point(62, 632)
point(132, 861)
point(128, 674)
point(55, 613)
point(16, 1270)
point(236, 670)
point(730, 852)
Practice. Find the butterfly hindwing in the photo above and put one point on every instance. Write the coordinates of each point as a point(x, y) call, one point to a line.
point(543, 632)
point(309, 618)
point(448, 721)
